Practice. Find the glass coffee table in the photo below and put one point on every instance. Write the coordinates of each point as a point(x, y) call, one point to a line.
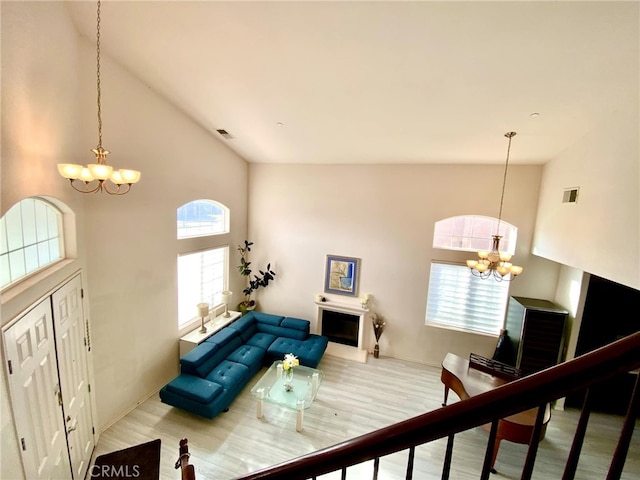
point(299, 396)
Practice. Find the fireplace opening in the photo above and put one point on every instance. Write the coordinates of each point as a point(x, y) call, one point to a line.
point(340, 327)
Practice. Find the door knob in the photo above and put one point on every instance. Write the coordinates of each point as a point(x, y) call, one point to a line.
point(58, 394)
point(71, 429)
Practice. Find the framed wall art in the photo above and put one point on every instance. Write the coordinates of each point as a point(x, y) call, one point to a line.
point(341, 275)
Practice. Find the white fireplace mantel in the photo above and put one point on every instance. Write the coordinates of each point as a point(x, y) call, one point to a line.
point(342, 307)
point(358, 353)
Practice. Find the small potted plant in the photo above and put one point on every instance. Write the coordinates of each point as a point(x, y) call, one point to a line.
point(253, 284)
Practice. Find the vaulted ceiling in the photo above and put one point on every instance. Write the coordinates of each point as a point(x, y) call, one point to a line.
point(380, 82)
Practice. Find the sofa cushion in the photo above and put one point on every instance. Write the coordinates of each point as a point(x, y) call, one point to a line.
point(227, 341)
point(229, 374)
point(222, 337)
point(267, 318)
point(312, 349)
point(309, 352)
point(261, 340)
point(245, 326)
point(192, 362)
point(248, 355)
point(194, 388)
point(283, 345)
point(296, 324)
point(280, 331)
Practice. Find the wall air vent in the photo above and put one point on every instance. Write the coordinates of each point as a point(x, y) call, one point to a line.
point(224, 133)
point(570, 195)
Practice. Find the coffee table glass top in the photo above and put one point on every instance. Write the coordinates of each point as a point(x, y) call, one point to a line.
point(270, 387)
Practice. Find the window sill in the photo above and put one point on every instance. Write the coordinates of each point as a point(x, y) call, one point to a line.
point(462, 330)
point(28, 282)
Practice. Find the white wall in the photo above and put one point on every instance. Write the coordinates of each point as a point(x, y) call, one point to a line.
point(40, 126)
point(127, 245)
point(131, 240)
point(385, 215)
point(599, 234)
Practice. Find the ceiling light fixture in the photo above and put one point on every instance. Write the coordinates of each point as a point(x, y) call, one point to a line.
point(99, 171)
point(495, 263)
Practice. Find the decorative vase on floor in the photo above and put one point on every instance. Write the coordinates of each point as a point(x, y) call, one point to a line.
point(376, 351)
point(288, 379)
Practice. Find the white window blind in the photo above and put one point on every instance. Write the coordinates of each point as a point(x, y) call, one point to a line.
point(201, 279)
point(457, 299)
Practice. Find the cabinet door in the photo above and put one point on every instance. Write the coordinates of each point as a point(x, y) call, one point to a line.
point(541, 342)
point(68, 319)
point(35, 394)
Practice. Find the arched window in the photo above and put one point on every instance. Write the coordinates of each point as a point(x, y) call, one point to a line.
point(456, 298)
point(471, 233)
point(201, 218)
point(203, 267)
point(30, 239)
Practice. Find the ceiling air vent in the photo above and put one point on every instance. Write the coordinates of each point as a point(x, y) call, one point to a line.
point(570, 195)
point(224, 133)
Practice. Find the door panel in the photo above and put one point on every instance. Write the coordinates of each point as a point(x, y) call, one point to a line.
point(33, 382)
point(69, 327)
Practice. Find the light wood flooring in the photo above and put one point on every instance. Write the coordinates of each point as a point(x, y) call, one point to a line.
point(354, 399)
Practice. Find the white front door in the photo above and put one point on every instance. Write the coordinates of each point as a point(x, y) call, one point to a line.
point(35, 394)
point(72, 344)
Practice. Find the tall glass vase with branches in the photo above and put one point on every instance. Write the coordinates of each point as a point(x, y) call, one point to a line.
point(378, 327)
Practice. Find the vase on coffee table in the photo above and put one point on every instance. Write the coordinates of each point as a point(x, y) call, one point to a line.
point(287, 376)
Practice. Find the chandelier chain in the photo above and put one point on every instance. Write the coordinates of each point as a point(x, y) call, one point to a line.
point(98, 176)
point(98, 77)
point(495, 263)
point(509, 135)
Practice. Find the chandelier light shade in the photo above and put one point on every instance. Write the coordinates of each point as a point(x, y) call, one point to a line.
point(495, 263)
point(113, 182)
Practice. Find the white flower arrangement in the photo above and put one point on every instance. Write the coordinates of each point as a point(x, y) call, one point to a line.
point(290, 361)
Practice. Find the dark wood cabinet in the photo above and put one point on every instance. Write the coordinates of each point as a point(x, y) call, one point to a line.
point(535, 334)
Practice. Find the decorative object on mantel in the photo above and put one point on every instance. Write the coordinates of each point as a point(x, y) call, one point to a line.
point(378, 327)
point(341, 275)
point(495, 263)
point(288, 364)
point(226, 298)
point(203, 312)
point(320, 298)
point(364, 301)
point(253, 284)
point(99, 171)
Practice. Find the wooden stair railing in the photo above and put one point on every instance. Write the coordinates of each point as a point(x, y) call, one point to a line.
point(519, 395)
point(186, 469)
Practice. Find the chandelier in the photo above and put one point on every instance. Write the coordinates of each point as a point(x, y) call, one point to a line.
point(108, 180)
point(495, 263)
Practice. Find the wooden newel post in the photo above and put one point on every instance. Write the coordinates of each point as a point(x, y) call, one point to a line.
point(188, 471)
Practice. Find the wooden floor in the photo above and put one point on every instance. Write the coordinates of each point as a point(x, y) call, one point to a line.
point(354, 399)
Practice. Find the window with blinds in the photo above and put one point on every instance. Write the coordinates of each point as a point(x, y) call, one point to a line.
point(459, 300)
point(201, 279)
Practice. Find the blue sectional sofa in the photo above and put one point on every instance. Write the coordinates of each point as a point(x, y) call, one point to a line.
point(214, 373)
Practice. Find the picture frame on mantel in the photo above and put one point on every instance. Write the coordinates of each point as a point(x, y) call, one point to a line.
point(341, 275)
